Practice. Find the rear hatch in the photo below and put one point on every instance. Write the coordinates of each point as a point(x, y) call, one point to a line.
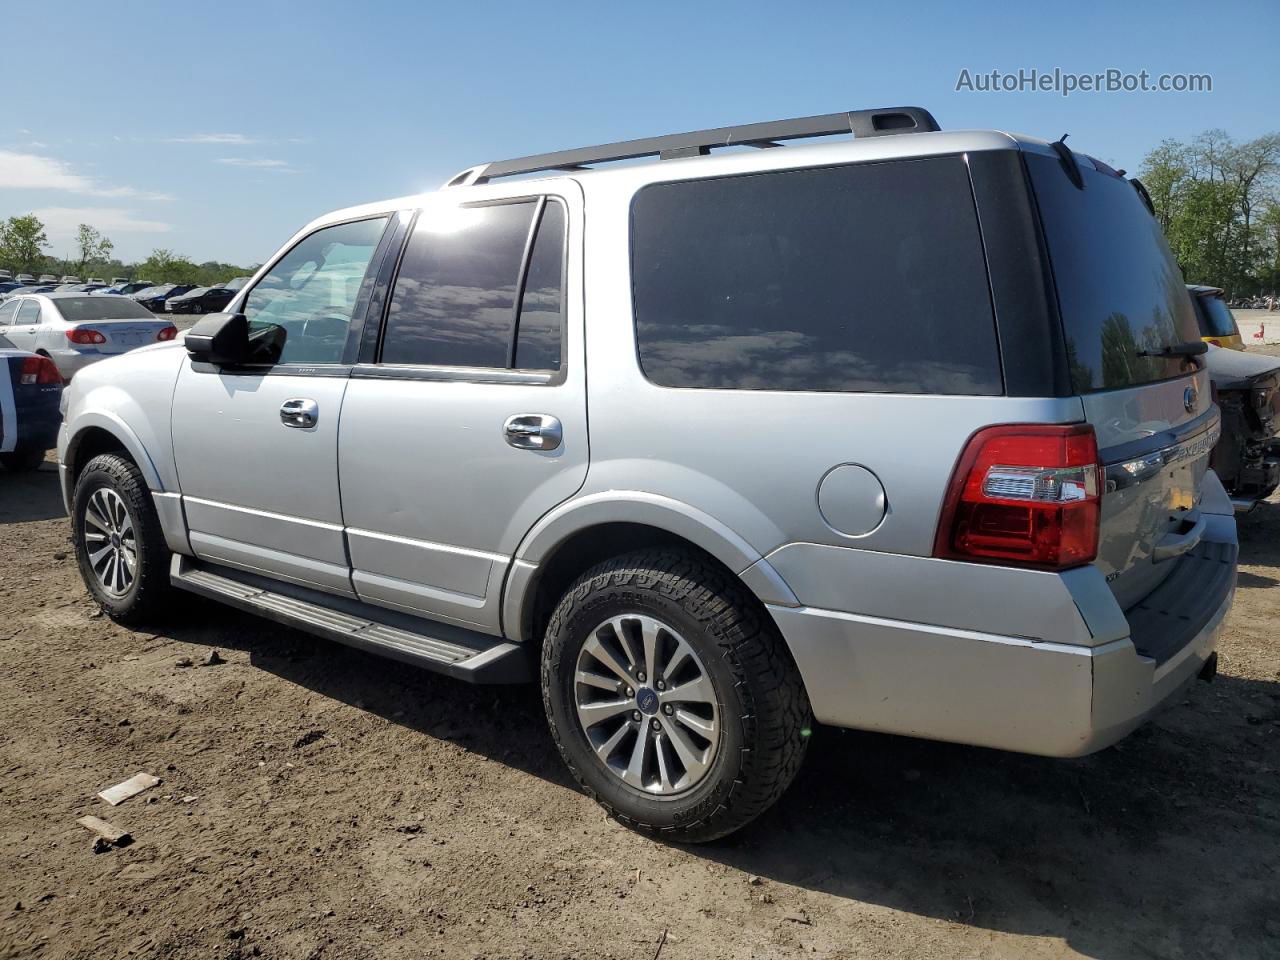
point(1127, 318)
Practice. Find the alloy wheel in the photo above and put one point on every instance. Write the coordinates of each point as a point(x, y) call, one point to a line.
point(647, 704)
point(110, 541)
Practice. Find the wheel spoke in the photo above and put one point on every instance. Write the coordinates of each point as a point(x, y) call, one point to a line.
point(130, 561)
point(649, 637)
point(695, 691)
point(707, 728)
point(605, 750)
point(93, 516)
point(694, 760)
point(602, 653)
point(95, 558)
point(595, 680)
point(682, 653)
point(660, 751)
point(635, 769)
point(119, 578)
point(621, 631)
point(593, 713)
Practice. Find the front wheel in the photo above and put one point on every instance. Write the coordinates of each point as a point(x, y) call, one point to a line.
point(120, 547)
point(671, 696)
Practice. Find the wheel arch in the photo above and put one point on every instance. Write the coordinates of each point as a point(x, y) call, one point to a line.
point(96, 433)
point(582, 533)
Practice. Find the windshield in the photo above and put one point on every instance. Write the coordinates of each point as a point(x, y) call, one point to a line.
point(197, 292)
point(1216, 319)
point(79, 309)
point(147, 292)
point(1122, 297)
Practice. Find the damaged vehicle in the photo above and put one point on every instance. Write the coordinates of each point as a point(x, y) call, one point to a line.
point(1247, 457)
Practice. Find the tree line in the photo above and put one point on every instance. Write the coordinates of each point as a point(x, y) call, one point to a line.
point(1218, 202)
point(23, 243)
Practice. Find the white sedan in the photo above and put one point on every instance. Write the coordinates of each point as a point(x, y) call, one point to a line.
point(74, 329)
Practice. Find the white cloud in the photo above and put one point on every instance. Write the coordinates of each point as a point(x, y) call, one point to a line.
point(30, 171)
point(223, 138)
point(61, 222)
point(261, 163)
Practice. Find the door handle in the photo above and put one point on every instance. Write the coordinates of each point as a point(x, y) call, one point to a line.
point(1176, 544)
point(533, 431)
point(299, 413)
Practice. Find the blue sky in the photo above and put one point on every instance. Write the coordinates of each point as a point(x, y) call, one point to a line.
point(218, 132)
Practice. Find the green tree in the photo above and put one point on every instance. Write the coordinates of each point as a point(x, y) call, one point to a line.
point(92, 248)
point(22, 243)
point(165, 266)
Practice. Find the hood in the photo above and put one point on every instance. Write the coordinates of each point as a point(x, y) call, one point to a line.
point(1237, 369)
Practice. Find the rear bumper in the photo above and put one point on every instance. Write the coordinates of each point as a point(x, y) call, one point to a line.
point(990, 689)
point(71, 362)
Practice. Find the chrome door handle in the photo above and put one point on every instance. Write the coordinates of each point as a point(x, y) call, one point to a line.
point(299, 413)
point(533, 431)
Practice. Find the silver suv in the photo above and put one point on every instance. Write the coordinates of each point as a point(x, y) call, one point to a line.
point(906, 432)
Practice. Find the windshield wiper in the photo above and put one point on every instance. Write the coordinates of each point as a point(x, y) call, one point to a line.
point(1192, 348)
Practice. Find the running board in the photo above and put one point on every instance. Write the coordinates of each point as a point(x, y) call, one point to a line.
point(466, 654)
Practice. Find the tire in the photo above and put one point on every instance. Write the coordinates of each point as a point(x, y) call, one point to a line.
point(22, 461)
point(760, 709)
point(108, 480)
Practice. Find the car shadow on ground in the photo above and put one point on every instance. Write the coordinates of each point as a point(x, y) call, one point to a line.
point(29, 496)
point(1163, 846)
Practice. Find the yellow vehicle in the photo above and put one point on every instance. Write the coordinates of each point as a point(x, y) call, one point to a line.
point(1217, 323)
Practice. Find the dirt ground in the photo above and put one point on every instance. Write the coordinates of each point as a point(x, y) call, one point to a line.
point(349, 807)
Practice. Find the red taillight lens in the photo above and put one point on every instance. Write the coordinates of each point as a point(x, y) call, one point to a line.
point(38, 370)
point(168, 333)
point(84, 335)
point(1024, 495)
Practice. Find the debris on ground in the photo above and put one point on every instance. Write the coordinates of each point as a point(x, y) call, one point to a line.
point(308, 738)
point(108, 833)
point(134, 785)
point(212, 659)
point(184, 662)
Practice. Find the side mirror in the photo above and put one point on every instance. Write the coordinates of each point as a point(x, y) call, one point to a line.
point(219, 338)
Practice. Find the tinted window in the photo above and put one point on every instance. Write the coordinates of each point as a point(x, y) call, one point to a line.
point(7, 310)
point(76, 309)
point(542, 306)
point(1216, 318)
point(855, 278)
point(29, 312)
point(301, 310)
point(454, 299)
point(1121, 294)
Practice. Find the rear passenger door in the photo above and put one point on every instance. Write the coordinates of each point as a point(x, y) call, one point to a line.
point(467, 420)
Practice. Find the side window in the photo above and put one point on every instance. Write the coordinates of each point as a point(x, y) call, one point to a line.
point(300, 311)
point(455, 298)
point(29, 312)
point(867, 277)
point(7, 312)
point(540, 335)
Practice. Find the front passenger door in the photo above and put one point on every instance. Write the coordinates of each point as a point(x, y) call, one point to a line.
point(25, 326)
point(257, 447)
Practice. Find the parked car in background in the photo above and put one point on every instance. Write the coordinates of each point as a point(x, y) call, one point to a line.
point(1215, 319)
point(48, 278)
point(25, 278)
point(200, 300)
point(127, 287)
point(996, 526)
point(236, 283)
point(75, 330)
point(31, 288)
point(153, 298)
point(97, 281)
point(30, 393)
point(70, 279)
point(5, 275)
point(1247, 457)
point(7, 286)
point(118, 280)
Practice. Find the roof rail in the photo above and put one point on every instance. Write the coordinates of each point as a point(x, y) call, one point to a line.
point(860, 123)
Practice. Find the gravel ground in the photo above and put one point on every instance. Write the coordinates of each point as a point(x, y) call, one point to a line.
point(342, 806)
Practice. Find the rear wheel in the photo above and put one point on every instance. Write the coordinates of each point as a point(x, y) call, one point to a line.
point(120, 547)
point(671, 696)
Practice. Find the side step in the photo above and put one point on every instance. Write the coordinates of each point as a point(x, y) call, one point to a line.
point(466, 654)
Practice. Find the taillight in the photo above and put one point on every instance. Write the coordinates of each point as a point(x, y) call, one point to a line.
point(84, 335)
point(167, 333)
point(38, 370)
point(1024, 495)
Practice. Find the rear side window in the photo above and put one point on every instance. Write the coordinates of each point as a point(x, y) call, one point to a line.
point(1120, 292)
point(1216, 318)
point(7, 312)
point(29, 312)
point(866, 278)
point(458, 299)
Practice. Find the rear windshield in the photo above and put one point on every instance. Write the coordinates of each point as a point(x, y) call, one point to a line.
point(1121, 294)
point(1216, 319)
point(79, 309)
